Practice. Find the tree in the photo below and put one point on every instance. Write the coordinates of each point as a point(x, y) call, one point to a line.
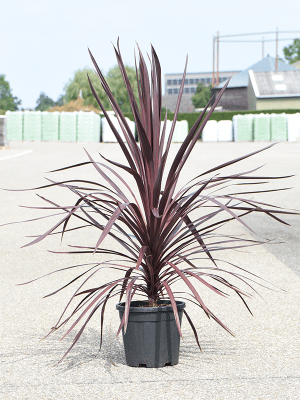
point(61, 100)
point(292, 52)
point(44, 102)
point(7, 100)
point(80, 83)
point(202, 96)
point(117, 86)
point(115, 82)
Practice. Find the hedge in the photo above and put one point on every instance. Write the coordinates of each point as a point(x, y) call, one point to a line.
point(218, 115)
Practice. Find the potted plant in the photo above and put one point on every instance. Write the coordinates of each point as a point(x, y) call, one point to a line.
point(158, 237)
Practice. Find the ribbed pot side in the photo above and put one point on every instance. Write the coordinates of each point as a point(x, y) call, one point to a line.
point(152, 339)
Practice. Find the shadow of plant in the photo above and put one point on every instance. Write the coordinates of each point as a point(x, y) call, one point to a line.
point(85, 352)
point(50, 351)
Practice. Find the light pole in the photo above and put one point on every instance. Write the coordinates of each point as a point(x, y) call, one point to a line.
point(276, 62)
point(213, 78)
point(218, 34)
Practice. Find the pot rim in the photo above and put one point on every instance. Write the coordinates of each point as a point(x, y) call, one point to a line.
point(134, 306)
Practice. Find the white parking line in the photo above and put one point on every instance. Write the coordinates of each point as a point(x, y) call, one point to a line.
point(16, 155)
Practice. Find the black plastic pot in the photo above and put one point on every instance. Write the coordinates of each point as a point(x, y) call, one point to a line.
point(152, 339)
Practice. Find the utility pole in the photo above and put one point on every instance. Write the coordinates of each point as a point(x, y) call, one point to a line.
point(218, 34)
point(213, 78)
point(276, 62)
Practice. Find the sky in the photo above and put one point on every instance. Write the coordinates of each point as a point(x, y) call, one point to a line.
point(44, 42)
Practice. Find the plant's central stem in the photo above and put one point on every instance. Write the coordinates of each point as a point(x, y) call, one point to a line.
point(152, 303)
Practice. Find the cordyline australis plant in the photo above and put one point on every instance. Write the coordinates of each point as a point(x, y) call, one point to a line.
point(160, 241)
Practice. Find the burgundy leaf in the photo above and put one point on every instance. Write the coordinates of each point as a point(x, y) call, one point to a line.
point(158, 225)
point(193, 327)
point(174, 305)
point(141, 255)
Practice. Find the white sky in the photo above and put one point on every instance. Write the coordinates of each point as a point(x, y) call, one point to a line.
point(44, 42)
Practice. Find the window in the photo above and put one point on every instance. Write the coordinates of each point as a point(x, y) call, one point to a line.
point(207, 80)
point(277, 78)
point(191, 81)
point(186, 82)
point(193, 90)
point(174, 81)
point(175, 91)
point(179, 81)
point(169, 91)
point(186, 90)
point(202, 80)
point(169, 82)
point(196, 80)
point(281, 86)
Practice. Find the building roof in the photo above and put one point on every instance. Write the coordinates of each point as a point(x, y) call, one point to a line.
point(203, 72)
point(275, 84)
point(264, 65)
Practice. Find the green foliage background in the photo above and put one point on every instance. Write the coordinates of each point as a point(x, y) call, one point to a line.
point(202, 96)
point(44, 102)
point(292, 52)
point(115, 81)
point(80, 82)
point(8, 102)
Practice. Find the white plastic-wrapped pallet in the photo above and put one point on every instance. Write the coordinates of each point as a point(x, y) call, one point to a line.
point(167, 132)
point(180, 131)
point(279, 127)
point(235, 127)
point(88, 127)
point(32, 125)
point(14, 125)
point(131, 125)
point(225, 131)
point(293, 127)
point(50, 125)
point(210, 132)
point(242, 127)
point(68, 126)
point(107, 132)
point(3, 137)
point(262, 127)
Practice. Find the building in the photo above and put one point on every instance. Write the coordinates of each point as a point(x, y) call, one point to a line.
point(235, 96)
point(274, 90)
point(192, 80)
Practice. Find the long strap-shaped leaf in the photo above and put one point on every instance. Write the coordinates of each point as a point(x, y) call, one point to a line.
point(115, 131)
point(110, 223)
point(188, 283)
point(174, 305)
point(193, 328)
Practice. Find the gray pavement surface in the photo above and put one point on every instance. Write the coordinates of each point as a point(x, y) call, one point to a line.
point(260, 362)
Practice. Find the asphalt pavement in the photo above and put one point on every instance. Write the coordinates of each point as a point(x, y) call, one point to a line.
point(262, 361)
